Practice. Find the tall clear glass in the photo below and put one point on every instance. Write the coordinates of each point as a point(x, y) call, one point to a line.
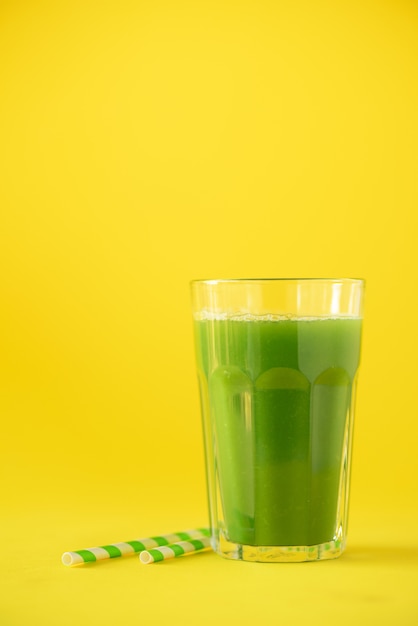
point(277, 363)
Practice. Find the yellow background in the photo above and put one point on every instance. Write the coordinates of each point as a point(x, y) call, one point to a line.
point(144, 144)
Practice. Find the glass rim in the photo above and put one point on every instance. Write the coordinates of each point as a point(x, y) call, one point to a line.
point(216, 281)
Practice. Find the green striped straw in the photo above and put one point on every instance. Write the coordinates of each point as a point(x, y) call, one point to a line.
point(174, 550)
point(125, 548)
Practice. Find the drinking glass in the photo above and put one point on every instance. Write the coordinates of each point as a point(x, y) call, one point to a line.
point(277, 364)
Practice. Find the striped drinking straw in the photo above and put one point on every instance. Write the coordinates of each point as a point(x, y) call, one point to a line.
point(174, 550)
point(135, 546)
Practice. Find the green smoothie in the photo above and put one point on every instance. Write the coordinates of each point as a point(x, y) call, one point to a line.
point(277, 404)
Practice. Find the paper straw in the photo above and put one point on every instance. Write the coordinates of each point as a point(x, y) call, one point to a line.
point(174, 550)
point(89, 555)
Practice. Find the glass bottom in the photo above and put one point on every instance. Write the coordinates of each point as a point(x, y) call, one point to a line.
point(278, 554)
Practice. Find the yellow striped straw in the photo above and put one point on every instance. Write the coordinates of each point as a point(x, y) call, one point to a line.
point(174, 550)
point(135, 546)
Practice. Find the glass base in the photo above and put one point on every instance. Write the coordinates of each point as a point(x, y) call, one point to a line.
point(279, 554)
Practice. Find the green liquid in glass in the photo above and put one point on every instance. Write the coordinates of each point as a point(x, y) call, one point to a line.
point(277, 399)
